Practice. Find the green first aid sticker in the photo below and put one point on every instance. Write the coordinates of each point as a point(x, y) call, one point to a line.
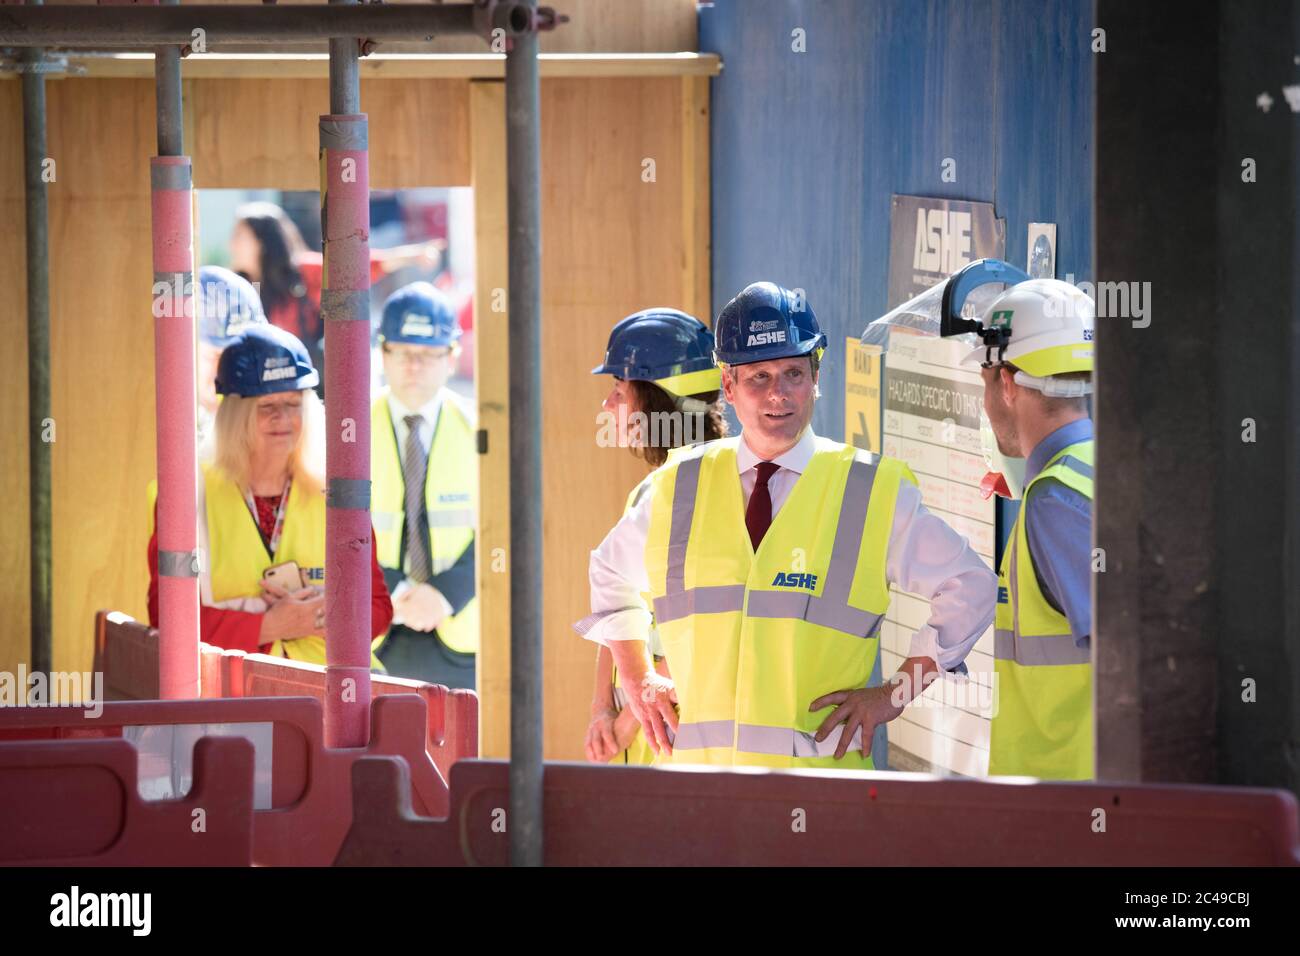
point(1002, 318)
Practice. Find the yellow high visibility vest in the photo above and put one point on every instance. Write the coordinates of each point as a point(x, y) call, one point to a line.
point(1043, 723)
point(234, 556)
point(450, 497)
point(752, 639)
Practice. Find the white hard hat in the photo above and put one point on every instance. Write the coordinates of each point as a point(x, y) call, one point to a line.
point(1050, 325)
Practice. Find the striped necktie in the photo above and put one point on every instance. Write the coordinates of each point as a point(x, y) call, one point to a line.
point(419, 566)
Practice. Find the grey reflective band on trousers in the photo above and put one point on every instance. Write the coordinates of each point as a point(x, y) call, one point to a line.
point(831, 609)
point(451, 519)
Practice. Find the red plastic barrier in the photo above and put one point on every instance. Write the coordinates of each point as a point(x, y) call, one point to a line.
point(617, 816)
point(311, 792)
point(126, 651)
point(75, 803)
point(452, 732)
point(211, 685)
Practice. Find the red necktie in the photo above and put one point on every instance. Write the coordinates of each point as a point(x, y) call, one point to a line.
point(758, 516)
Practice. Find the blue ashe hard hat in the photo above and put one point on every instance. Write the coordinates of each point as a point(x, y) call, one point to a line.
point(765, 322)
point(670, 348)
point(419, 314)
point(264, 359)
point(225, 303)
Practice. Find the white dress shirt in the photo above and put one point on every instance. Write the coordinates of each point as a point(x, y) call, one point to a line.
point(398, 412)
point(429, 410)
point(925, 557)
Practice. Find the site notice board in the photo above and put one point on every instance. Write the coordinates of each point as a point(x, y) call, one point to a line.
point(929, 410)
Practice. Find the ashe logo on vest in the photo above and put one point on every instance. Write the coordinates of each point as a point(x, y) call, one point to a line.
point(313, 574)
point(1003, 597)
point(274, 369)
point(762, 333)
point(791, 579)
point(453, 499)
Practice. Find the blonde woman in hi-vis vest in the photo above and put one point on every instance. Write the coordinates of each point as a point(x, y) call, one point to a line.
point(261, 508)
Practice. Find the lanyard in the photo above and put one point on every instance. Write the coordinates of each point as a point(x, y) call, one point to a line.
point(279, 516)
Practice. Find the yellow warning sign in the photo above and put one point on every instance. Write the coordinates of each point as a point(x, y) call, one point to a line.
point(862, 395)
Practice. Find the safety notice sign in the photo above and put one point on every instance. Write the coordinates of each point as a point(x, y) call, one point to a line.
point(862, 395)
point(932, 422)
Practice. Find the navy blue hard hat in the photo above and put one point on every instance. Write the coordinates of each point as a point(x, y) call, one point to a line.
point(264, 359)
point(419, 314)
point(225, 303)
point(765, 322)
point(670, 348)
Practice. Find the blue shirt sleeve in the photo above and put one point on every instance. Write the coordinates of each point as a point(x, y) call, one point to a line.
point(1059, 528)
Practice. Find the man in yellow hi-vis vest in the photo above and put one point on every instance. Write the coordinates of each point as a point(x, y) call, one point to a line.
point(1037, 364)
point(424, 473)
point(769, 558)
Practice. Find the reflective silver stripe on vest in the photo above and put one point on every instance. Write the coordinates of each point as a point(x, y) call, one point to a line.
point(815, 610)
point(832, 608)
point(1040, 650)
point(784, 742)
point(706, 600)
point(677, 602)
point(705, 733)
point(1075, 465)
point(1044, 650)
point(686, 488)
point(451, 519)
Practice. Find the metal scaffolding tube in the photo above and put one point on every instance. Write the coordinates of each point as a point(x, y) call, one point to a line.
point(115, 26)
point(167, 95)
point(345, 307)
point(171, 183)
point(523, 205)
point(38, 361)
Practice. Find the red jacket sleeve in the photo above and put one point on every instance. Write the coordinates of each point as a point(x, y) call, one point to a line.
point(234, 630)
point(240, 630)
point(311, 265)
point(381, 605)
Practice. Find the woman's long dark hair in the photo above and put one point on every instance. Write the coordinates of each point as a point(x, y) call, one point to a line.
point(650, 399)
point(280, 243)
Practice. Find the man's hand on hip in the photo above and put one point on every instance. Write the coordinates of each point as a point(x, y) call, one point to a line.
point(863, 709)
